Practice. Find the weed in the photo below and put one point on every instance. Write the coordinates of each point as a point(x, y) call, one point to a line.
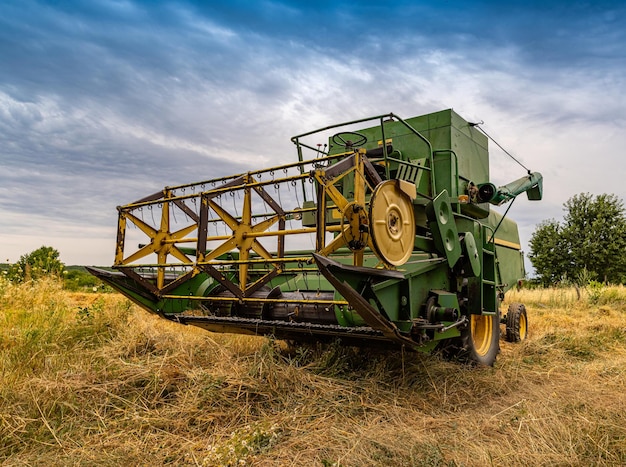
point(594, 290)
point(244, 443)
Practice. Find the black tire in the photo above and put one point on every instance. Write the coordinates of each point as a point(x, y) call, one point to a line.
point(479, 342)
point(482, 339)
point(516, 323)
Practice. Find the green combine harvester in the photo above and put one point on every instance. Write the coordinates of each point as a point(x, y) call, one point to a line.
point(380, 234)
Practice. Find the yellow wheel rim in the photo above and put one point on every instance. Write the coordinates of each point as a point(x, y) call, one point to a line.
point(523, 327)
point(482, 333)
point(392, 223)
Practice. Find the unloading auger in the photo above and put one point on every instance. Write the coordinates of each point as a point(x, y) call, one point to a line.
point(381, 234)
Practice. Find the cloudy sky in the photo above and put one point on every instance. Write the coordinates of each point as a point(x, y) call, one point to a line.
point(103, 102)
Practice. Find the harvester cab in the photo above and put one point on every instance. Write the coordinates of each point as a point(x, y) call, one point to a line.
point(381, 235)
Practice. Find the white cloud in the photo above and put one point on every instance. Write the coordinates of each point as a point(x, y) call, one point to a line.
point(96, 112)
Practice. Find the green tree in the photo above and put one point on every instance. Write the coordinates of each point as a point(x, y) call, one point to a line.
point(548, 252)
point(36, 264)
point(591, 238)
point(596, 234)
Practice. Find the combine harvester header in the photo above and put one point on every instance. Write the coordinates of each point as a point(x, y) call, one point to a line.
point(380, 234)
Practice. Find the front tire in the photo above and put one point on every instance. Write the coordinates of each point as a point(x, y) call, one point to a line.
point(482, 339)
point(479, 342)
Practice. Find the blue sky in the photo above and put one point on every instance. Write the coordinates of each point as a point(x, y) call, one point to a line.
point(103, 102)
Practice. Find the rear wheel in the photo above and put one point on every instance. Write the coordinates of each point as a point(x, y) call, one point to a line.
point(516, 323)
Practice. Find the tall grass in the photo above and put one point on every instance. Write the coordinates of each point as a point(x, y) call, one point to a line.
point(567, 297)
point(91, 379)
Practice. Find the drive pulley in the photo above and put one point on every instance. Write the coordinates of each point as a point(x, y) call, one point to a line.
point(393, 221)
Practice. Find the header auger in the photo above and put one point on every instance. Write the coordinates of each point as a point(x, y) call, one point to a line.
point(382, 235)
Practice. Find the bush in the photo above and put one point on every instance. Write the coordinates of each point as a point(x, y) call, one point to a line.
point(37, 264)
point(78, 279)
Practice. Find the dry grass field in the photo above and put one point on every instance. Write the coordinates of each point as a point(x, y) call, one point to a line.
point(89, 379)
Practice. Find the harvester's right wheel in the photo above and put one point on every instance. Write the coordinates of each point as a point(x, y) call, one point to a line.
point(516, 323)
point(481, 339)
point(478, 342)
